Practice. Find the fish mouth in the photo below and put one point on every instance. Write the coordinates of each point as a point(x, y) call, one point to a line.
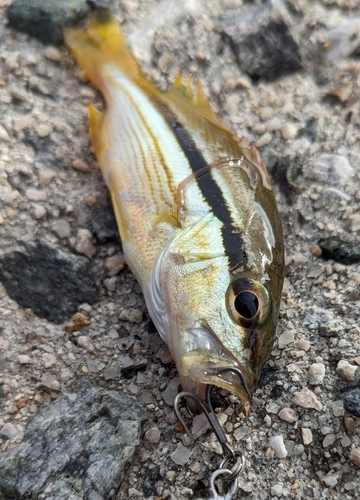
point(208, 362)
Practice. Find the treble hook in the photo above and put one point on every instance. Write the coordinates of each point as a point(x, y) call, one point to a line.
point(209, 412)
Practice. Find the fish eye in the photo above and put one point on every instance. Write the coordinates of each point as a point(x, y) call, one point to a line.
point(247, 302)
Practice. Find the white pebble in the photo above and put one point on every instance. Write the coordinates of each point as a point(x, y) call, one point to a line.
point(338, 408)
point(307, 436)
point(288, 414)
point(4, 136)
point(86, 343)
point(24, 359)
point(49, 360)
point(289, 131)
point(43, 130)
point(328, 440)
point(36, 194)
point(264, 140)
point(276, 490)
point(316, 373)
point(330, 480)
point(277, 443)
point(306, 399)
point(153, 435)
point(61, 228)
point(84, 244)
point(346, 370)
point(39, 211)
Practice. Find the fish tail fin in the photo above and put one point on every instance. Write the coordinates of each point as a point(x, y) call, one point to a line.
point(99, 43)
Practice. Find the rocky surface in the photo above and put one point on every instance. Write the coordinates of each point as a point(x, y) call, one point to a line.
point(76, 447)
point(300, 435)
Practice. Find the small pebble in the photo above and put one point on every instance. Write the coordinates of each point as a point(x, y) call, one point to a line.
point(4, 344)
point(240, 432)
point(78, 321)
point(330, 479)
point(349, 423)
point(132, 315)
point(115, 264)
point(355, 456)
point(303, 344)
point(274, 124)
point(111, 371)
point(346, 370)
point(316, 373)
point(111, 283)
point(285, 339)
point(307, 436)
point(9, 431)
point(84, 244)
point(39, 211)
point(306, 399)
point(289, 131)
point(316, 250)
point(24, 359)
point(328, 440)
point(338, 408)
point(152, 435)
point(43, 130)
point(277, 443)
point(61, 228)
point(52, 53)
point(36, 194)
point(264, 140)
point(181, 455)
point(333, 168)
point(276, 490)
point(86, 343)
point(171, 391)
point(272, 407)
point(49, 360)
point(287, 414)
point(4, 136)
point(81, 166)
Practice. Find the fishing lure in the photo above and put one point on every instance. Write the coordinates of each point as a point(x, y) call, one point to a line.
point(196, 213)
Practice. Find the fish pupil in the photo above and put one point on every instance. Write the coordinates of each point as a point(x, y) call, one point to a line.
point(246, 304)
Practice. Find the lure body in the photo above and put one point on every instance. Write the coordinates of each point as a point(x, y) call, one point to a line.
point(195, 210)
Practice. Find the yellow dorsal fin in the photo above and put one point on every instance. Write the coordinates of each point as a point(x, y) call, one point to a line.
point(197, 101)
point(99, 43)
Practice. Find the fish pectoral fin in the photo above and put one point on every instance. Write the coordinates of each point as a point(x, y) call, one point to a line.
point(96, 119)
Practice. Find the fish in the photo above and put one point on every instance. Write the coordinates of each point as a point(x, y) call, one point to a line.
point(196, 213)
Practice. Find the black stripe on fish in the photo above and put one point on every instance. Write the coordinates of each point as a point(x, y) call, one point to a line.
point(232, 240)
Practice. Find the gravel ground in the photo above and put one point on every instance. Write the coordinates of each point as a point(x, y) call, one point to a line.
point(300, 435)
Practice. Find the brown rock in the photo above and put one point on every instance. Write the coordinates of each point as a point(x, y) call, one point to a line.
point(78, 321)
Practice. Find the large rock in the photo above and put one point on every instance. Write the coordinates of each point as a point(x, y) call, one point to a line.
point(262, 40)
point(44, 19)
point(50, 281)
point(76, 448)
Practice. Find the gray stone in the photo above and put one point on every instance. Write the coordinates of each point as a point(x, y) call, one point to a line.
point(344, 39)
point(352, 401)
point(111, 371)
point(103, 224)
point(44, 19)
point(181, 455)
point(62, 229)
point(75, 448)
point(51, 282)
point(334, 169)
point(9, 431)
point(262, 39)
point(171, 391)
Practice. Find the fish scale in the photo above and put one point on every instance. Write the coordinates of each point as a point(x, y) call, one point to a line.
point(196, 214)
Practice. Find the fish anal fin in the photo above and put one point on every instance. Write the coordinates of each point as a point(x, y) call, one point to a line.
point(96, 119)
